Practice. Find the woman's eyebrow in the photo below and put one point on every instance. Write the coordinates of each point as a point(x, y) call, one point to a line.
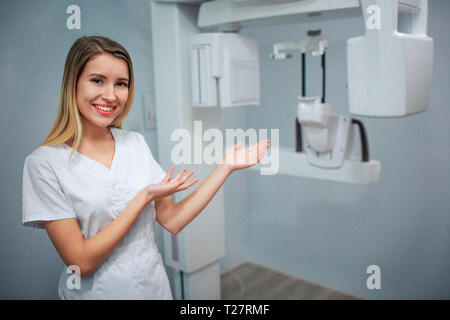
point(102, 76)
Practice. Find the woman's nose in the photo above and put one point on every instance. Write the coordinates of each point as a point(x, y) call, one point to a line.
point(109, 92)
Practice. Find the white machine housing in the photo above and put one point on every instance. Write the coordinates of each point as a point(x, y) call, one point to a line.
point(224, 70)
point(389, 73)
point(328, 137)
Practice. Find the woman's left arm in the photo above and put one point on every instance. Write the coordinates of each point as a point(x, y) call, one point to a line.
point(175, 216)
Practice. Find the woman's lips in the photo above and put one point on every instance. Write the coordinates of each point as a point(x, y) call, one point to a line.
point(104, 112)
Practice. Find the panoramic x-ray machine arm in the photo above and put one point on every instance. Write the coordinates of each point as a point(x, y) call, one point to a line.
point(389, 75)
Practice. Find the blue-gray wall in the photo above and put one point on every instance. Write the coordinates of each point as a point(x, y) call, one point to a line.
point(329, 232)
point(34, 45)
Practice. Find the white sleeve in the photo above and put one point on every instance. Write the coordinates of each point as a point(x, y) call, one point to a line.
point(42, 196)
point(157, 172)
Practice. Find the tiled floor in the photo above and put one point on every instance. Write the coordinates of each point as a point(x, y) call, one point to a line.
point(249, 281)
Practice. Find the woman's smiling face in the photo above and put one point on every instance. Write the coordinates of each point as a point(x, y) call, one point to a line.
point(102, 89)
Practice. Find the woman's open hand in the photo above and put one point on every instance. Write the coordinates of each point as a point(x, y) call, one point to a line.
point(167, 187)
point(235, 158)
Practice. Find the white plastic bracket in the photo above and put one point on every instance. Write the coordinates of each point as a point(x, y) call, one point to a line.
point(315, 45)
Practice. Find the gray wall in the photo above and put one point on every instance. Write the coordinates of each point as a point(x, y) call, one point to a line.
point(329, 232)
point(35, 42)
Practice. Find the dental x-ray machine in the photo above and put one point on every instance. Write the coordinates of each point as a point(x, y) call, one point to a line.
point(389, 75)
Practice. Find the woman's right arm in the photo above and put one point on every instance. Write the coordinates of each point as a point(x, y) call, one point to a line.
point(68, 240)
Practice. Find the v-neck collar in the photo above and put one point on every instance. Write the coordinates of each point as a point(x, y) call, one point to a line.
point(98, 164)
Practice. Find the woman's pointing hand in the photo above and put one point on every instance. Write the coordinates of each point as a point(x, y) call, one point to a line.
point(169, 186)
point(236, 158)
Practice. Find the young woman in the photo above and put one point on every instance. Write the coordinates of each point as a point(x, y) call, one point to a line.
point(97, 189)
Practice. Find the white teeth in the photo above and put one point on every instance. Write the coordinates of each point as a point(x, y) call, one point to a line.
point(103, 108)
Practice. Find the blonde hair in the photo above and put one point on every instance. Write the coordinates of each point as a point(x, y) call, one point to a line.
point(68, 123)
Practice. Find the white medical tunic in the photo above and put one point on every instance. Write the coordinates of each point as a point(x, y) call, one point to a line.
point(95, 195)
